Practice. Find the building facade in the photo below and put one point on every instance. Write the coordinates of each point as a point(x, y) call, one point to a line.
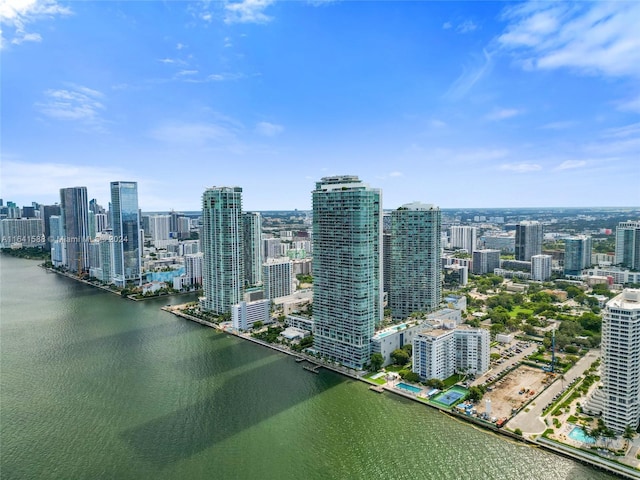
point(277, 278)
point(434, 354)
point(416, 283)
point(127, 241)
point(577, 254)
point(472, 350)
point(541, 267)
point(485, 261)
point(347, 268)
point(464, 237)
point(628, 245)
point(529, 236)
point(222, 240)
point(74, 211)
point(252, 231)
point(619, 398)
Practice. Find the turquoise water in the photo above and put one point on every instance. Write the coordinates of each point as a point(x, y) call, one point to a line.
point(410, 388)
point(578, 434)
point(93, 386)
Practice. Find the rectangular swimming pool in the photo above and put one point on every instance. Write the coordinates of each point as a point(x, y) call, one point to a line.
point(409, 388)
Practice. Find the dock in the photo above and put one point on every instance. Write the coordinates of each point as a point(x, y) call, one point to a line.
point(377, 388)
point(315, 368)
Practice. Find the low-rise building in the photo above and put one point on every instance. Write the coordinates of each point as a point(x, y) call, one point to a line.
point(245, 314)
point(391, 338)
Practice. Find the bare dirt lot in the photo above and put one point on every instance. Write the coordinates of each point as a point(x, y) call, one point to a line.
point(506, 395)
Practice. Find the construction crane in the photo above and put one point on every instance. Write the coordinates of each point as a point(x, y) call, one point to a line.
point(553, 352)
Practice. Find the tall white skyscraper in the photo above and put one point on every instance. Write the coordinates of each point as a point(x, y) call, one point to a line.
point(127, 262)
point(416, 270)
point(347, 268)
point(464, 237)
point(619, 398)
point(222, 240)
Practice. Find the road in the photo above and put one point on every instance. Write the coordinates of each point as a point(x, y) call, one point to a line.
point(530, 422)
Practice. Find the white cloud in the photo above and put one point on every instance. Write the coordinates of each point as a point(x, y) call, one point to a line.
point(44, 180)
point(195, 133)
point(76, 103)
point(446, 25)
point(562, 125)
point(470, 76)
point(520, 167)
point(27, 37)
point(466, 27)
point(183, 73)
point(569, 164)
point(630, 104)
point(435, 123)
point(247, 11)
point(395, 174)
point(269, 129)
point(17, 14)
point(590, 37)
point(180, 46)
point(503, 113)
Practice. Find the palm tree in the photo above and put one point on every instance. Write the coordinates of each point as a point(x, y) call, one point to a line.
point(628, 433)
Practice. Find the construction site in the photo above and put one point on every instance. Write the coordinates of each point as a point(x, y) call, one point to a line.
point(513, 391)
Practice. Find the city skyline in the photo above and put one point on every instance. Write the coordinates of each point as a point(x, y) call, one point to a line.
point(179, 96)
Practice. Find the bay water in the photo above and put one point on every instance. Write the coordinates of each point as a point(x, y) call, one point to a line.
point(93, 386)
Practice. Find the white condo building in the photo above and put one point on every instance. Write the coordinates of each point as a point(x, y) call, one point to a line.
point(434, 354)
point(464, 237)
point(472, 350)
point(541, 267)
point(619, 398)
point(277, 278)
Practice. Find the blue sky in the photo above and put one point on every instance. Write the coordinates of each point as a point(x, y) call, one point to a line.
point(460, 104)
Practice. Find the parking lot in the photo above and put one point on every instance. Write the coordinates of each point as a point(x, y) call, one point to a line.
point(510, 354)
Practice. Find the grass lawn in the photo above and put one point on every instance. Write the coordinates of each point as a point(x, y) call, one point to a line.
point(395, 368)
point(452, 380)
point(379, 381)
point(514, 313)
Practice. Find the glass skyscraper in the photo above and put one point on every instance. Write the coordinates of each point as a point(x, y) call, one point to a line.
point(416, 284)
point(628, 245)
point(126, 233)
point(222, 244)
point(252, 226)
point(74, 210)
point(347, 268)
point(577, 254)
point(528, 240)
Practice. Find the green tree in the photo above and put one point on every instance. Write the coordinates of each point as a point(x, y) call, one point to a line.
point(628, 433)
point(400, 357)
point(410, 376)
point(376, 361)
point(408, 348)
point(475, 394)
point(257, 325)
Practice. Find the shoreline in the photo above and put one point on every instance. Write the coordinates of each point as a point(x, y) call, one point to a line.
point(107, 289)
point(575, 454)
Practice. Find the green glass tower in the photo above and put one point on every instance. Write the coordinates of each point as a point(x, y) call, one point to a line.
point(347, 268)
point(222, 240)
point(416, 284)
